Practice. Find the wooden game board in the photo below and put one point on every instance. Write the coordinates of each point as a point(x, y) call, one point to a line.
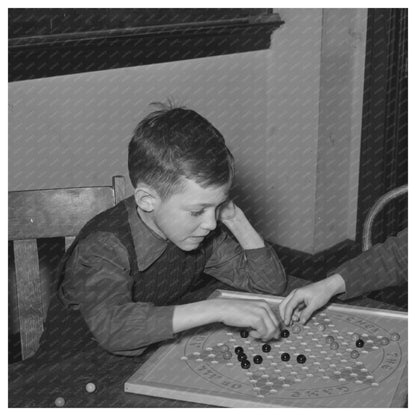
point(197, 368)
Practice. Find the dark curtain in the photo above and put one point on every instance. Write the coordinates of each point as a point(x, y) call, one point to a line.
point(384, 146)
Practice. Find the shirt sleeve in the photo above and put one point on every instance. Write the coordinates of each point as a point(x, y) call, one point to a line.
point(257, 270)
point(98, 283)
point(381, 266)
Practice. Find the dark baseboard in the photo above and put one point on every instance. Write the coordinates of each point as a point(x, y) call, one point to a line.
point(394, 295)
point(317, 266)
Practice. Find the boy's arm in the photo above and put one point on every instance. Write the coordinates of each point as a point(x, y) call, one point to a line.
point(243, 260)
point(256, 315)
point(97, 281)
point(236, 221)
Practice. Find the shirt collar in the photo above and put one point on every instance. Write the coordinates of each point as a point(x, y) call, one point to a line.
point(148, 245)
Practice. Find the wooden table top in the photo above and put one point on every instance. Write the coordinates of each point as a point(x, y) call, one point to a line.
point(37, 382)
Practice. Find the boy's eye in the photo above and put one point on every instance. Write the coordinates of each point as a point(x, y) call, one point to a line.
point(197, 213)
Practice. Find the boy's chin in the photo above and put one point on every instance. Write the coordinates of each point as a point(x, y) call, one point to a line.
point(190, 244)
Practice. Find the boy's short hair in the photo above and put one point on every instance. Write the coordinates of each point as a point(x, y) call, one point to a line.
point(175, 142)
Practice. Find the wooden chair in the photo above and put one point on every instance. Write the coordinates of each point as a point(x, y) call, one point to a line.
point(46, 214)
point(376, 209)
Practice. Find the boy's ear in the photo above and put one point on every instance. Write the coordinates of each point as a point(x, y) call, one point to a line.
point(146, 197)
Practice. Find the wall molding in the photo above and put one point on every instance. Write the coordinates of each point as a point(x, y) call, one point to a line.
point(33, 57)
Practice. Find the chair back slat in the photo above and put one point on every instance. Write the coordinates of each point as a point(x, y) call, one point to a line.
point(48, 213)
point(29, 300)
point(119, 186)
point(55, 212)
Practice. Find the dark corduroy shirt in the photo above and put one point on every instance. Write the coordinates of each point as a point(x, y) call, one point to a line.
point(127, 310)
point(381, 266)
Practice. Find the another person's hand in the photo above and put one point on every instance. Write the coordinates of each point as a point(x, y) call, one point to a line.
point(254, 314)
point(301, 303)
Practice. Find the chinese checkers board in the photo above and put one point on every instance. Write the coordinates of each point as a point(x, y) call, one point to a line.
point(344, 356)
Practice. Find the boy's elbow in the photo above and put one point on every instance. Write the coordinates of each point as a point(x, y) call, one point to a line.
point(276, 285)
point(113, 346)
point(281, 285)
point(115, 340)
point(106, 341)
point(279, 282)
point(126, 353)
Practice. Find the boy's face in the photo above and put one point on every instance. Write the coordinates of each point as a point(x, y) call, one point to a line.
point(188, 216)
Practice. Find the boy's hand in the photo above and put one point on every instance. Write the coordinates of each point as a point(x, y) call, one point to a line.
point(228, 212)
point(255, 314)
point(301, 303)
point(235, 220)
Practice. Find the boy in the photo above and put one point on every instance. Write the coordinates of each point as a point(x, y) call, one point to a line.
point(381, 266)
point(130, 265)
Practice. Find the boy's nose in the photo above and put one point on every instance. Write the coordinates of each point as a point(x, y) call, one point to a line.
point(209, 223)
